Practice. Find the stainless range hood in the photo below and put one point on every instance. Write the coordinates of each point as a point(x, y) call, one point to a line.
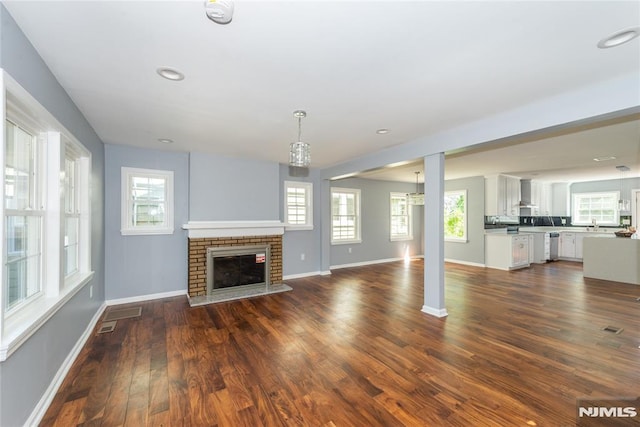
point(525, 195)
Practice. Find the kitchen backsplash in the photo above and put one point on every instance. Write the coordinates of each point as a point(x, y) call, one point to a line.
point(539, 221)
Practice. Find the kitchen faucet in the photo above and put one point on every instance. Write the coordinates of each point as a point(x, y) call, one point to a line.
point(551, 219)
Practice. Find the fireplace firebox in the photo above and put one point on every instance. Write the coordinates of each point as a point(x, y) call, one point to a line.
point(237, 266)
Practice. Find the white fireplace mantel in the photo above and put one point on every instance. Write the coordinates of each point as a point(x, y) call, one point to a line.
point(207, 229)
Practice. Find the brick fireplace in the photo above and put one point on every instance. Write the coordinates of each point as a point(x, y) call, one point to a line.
point(203, 235)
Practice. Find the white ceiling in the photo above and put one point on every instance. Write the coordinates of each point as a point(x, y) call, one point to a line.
point(414, 67)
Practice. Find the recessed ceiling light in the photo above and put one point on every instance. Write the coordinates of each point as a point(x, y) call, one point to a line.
point(603, 158)
point(170, 73)
point(165, 140)
point(382, 131)
point(620, 37)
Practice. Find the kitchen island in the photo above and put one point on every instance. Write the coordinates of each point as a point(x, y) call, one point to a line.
point(612, 258)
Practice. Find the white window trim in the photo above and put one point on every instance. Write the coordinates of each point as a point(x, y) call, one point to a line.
point(19, 325)
point(574, 205)
point(308, 186)
point(167, 227)
point(358, 238)
point(464, 238)
point(398, 237)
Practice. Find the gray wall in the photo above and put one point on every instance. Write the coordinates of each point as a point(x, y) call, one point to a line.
point(27, 373)
point(144, 265)
point(297, 242)
point(473, 250)
point(375, 227)
point(228, 189)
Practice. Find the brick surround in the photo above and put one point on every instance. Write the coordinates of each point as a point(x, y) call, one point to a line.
point(198, 257)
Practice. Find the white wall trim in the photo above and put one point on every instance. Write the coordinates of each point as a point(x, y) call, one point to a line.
point(325, 273)
point(146, 297)
point(41, 407)
point(300, 275)
point(359, 264)
point(458, 261)
point(211, 229)
point(437, 312)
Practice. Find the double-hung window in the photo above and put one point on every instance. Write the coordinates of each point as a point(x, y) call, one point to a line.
point(455, 215)
point(598, 207)
point(298, 205)
point(345, 215)
point(23, 216)
point(400, 226)
point(147, 201)
point(46, 228)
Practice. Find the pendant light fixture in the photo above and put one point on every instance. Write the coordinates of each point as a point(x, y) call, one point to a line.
point(300, 152)
point(623, 204)
point(417, 198)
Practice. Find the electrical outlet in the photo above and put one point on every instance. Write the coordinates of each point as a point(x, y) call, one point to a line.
point(564, 221)
point(626, 222)
point(301, 257)
point(349, 250)
point(91, 292)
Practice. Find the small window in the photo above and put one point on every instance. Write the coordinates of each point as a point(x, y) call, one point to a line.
point(298, 205)
point(598, 208)
point(455, 215)
point(345, 215)
point(147, 201)
point(401, 228)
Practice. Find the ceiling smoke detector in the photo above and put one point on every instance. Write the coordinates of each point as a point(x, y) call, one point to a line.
point(219, 11)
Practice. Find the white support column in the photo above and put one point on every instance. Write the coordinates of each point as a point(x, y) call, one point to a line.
point(325, 236)
point(434, 235)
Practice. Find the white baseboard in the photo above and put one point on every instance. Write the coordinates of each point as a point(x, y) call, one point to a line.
point(325, 273)
point(360, 264)
point(300, 275)
point(41, 408)
point(437, 312)
point(147, 297)
point(457, 261)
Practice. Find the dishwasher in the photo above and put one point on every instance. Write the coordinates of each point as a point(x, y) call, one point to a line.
point(554, 239)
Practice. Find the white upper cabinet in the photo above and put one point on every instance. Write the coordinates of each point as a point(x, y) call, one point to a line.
point(541, 198)
point(502, 195)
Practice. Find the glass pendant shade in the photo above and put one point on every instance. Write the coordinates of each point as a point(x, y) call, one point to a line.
point(624, 205)
point(300, 154)
point(417, 198)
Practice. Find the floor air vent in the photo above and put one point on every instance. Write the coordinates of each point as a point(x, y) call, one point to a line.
point(612, 329)
point(107, 327)
point(123, 313)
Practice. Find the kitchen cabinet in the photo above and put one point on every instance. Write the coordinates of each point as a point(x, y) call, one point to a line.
point(559, 205)
point(579, 245)
point(567, 245)
point(507, 251)
point(541, 198)
point(541, 247)
point(520, 251)
point(502, 195)
point(531, 250)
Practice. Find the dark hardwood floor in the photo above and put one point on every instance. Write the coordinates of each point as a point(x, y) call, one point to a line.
point(353, 349)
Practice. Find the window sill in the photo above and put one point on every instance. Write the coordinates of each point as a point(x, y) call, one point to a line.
point(346, 242)
point(146, 232)
point(453, 240)
point(298, 227)
point(400, 239)
point(22, 325)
